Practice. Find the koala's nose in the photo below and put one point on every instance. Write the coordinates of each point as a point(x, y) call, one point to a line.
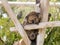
point(32, 21)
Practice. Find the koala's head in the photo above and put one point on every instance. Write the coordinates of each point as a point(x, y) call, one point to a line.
point(32, 18)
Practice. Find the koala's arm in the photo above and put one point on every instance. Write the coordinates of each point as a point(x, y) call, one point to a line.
point(24, 22)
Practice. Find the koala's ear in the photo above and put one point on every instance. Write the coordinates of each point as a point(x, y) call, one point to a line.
point(49, 15)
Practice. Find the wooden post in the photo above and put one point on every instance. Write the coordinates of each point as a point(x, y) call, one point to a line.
point(16, 22)
point(20, 42)
point(37, 9)
point(44, 4)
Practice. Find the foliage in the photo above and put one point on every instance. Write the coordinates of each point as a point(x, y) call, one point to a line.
point(5, 34)
point(53, 37)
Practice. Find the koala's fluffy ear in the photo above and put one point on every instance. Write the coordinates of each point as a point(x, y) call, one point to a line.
point(49, 15)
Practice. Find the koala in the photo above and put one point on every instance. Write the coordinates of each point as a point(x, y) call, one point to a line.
point(33, 18)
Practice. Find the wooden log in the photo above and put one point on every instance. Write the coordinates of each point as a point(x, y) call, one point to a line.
point(41, 36)
point(44, 12)
point(16, 22)
point(41, 25)
point(52, 4)
point(20, 42)
point(20, 3)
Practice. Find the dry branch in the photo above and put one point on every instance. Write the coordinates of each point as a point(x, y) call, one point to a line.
point(16, 22)
point(44, 12)
point(40, 25)
point(57, 4)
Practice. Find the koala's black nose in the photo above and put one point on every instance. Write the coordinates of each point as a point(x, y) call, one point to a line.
point(32, 21)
